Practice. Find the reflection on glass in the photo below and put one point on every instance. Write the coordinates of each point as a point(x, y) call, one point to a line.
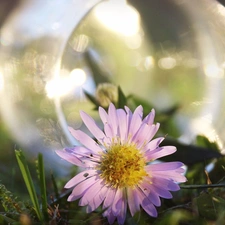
point(1, 81)
point(80, 43)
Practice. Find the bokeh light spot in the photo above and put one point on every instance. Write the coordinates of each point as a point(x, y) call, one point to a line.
point(167, 63)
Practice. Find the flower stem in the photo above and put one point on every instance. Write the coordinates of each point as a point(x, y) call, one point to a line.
point(198, 186)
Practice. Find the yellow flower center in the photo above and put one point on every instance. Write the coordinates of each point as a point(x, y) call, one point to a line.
point(122, 166)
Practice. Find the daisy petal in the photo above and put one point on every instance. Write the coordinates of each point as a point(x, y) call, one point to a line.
point(109, 198)
point(165, 184)
point(113, 119)
point(173, 175)
point(70, 158)
point(150, 193)
point(108, 131)
point(135, 121)
point(160, 152)
point(173, 170)
point(151, 133)
point(92, 126)
point(122, 121)
point(90, 193)
point(149, 119)
point(82, 187)
point(97, 200)
point(145, 133)
point(86, 140)
point(152, 145)
point(111, 218)
point(78, 150)
point(161, 192)
point(123, 210)
point(129, 115)
point(140, 137)
point(107, 127)
point(133, 201)
point(147, 205)
point(116, 206)
point(103, 115)
point(165, 166)
point(80, 177)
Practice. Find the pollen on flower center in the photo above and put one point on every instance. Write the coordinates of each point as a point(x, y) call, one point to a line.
point(122, 166)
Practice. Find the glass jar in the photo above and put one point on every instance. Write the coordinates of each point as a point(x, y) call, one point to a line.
point(167, 52)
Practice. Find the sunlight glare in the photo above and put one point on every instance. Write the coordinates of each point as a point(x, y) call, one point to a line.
point(203, 125)
point(213, 70)
point(221, 9)
point(62, 86)
point(56, 87)
point(118, 17)
point(77, 77)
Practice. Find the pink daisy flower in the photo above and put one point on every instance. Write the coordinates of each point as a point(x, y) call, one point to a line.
point(117, 169)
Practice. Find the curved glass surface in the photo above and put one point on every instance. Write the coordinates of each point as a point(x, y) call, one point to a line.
point(165, 52)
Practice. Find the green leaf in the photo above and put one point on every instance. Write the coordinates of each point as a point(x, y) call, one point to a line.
point(99, 71)
point(217, 174)
point(122, 101)
point(28, 181)
point(205, 142)
point(55, 186)
point(136, 101)
point(209, 205)
point(41, 172)
point(178, 216)
point(221, 218)
point(92, 99)
point(189, 154)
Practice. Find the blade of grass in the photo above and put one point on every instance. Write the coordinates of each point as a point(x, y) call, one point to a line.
point(28, 181)
point(41, 172)
point(55, 186)
point(7, 219)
